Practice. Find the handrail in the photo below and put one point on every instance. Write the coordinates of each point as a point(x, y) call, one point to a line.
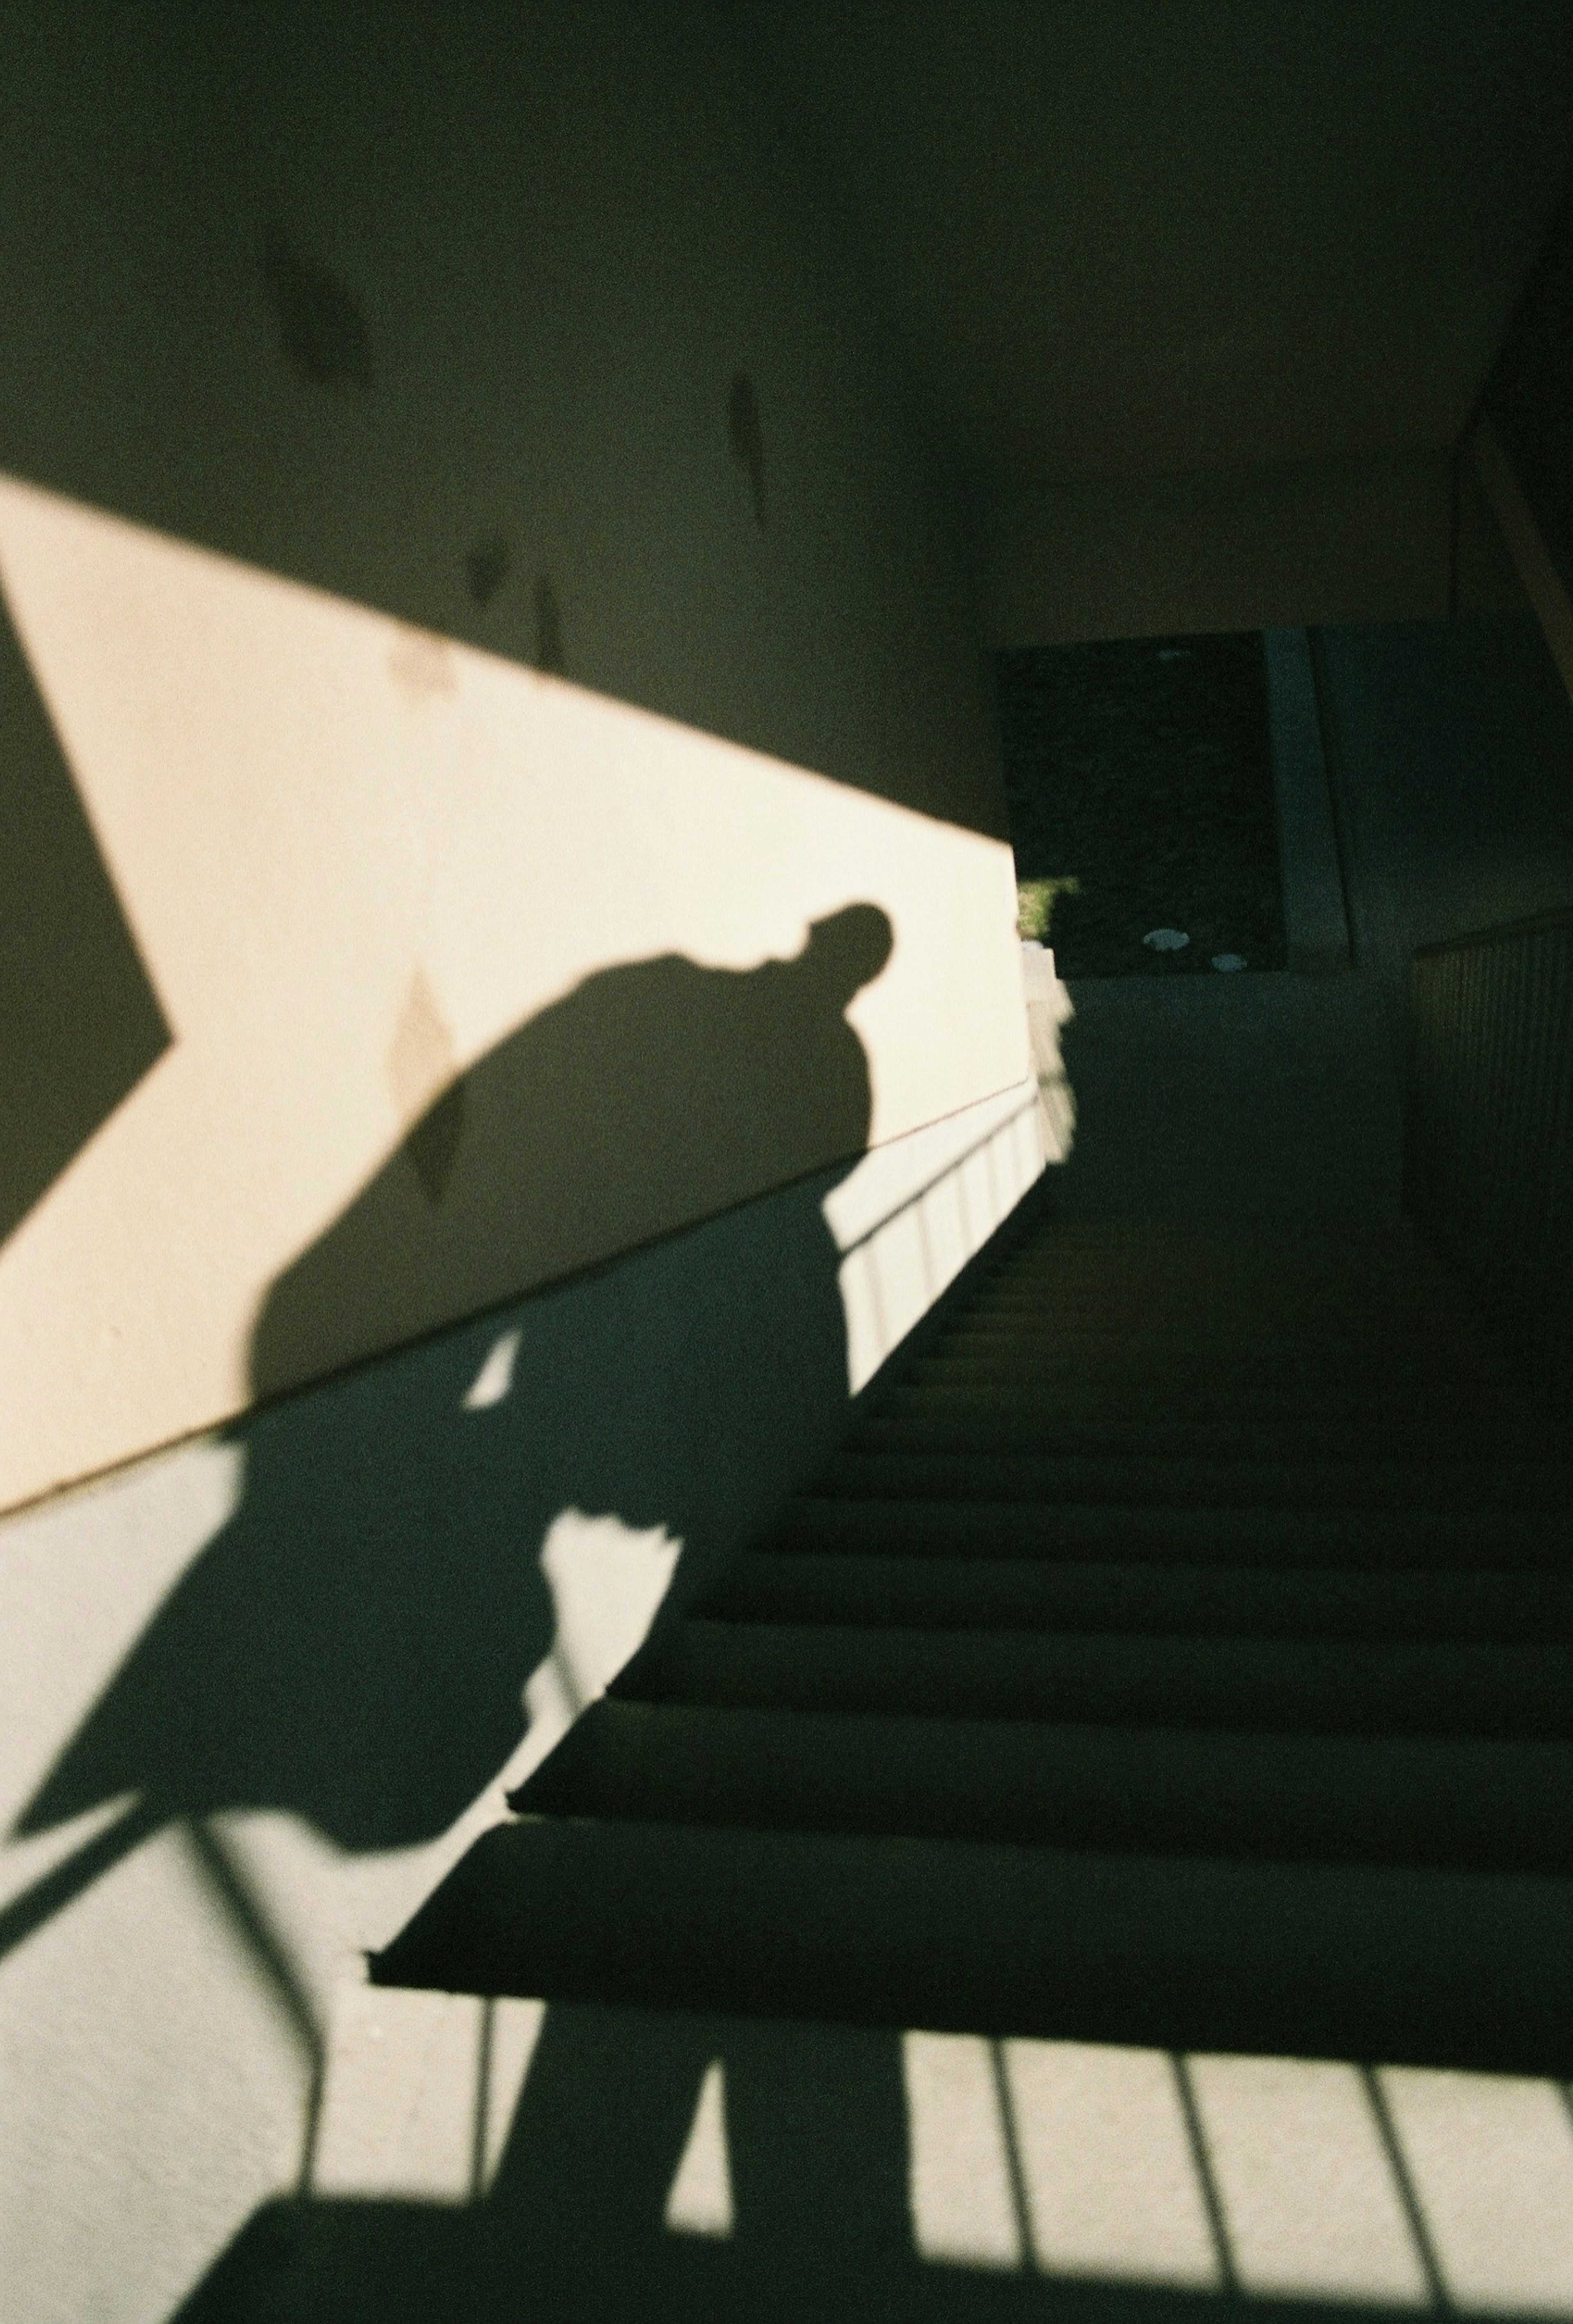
point(950, 1168)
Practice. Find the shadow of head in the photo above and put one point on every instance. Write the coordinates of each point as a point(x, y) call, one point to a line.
point(353, 1646)
point(848, 949)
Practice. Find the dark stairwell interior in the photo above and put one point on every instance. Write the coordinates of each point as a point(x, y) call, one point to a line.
point(1105, 1849)
point(1172, 1664)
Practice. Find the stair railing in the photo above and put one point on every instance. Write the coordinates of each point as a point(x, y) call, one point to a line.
point(1488, 1136)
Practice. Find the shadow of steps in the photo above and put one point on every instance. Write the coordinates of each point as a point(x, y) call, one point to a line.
point(1407, 1965)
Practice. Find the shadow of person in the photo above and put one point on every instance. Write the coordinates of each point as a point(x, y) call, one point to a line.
point(807, 2173)
point(352, 1647)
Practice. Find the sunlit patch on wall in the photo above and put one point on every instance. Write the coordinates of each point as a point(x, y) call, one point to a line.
point(607, 1582)
point(1309, 2201)
point(494, 1380)
point(305, 806)
point(422, 666)
point(700, 2202)
point(966, 2203)
point(80, 1612)
point(419, 2092)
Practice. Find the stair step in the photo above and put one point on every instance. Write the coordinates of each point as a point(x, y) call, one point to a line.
point(1406, 1965)
point(1482, 1804)
point(1284, 1371)
point(1170, 1398)
point(1176, 1481)
point(1272, 1535)
point(1347, 1686)
point(1041, 1336)
point(1105, 1294)
point(1133, 1432)
point(1199, 1600)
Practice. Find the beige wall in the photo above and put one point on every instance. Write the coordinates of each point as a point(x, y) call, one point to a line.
point(300, 327)
point(1284, 547)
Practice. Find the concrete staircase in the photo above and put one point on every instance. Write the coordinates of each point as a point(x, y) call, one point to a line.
point(1180, 1652)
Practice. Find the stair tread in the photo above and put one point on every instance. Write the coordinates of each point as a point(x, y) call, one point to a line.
point(1408, 1965)
point(1403, 1800)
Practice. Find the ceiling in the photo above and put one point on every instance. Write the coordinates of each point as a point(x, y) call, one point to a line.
point(1145, 238)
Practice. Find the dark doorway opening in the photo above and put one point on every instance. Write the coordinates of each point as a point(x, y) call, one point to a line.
point(1139, 774)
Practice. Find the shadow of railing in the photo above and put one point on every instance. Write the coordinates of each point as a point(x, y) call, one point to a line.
point(628, 2164)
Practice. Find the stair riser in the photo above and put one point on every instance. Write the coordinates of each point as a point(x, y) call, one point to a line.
point(1307, 1686)
point(1248, 1537)
point(1180, 1483)
point(1181, 1437)
point(1487, 1806)
point(979, 1593)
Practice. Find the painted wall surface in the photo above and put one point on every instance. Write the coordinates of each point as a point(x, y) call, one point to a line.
point(493, 664)
point(1450, 752)
point(1527, 395)
point(263, 1689)
point(1280, 547)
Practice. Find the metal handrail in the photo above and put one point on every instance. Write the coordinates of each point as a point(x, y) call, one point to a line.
point(919, 1194)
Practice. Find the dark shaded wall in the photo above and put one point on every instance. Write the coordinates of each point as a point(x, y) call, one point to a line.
point(1527, 397)
point(1451, 748)
point(518, 323)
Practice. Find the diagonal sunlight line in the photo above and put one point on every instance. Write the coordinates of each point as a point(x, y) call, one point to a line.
point(1201, 2162)
point(1403, 2181)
